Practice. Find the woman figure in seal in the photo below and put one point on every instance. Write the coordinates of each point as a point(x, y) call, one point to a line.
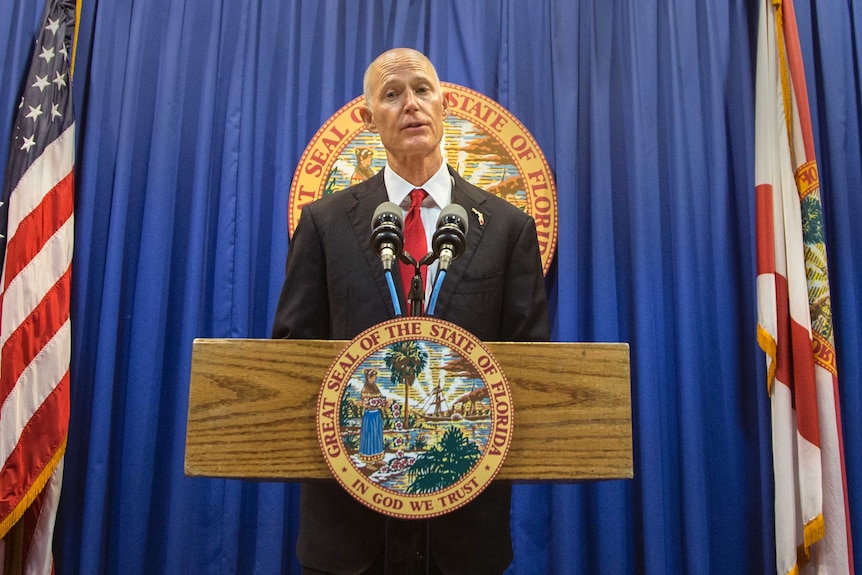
point(371, 432)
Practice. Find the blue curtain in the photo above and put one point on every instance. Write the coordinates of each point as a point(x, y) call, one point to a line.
point(192, 116)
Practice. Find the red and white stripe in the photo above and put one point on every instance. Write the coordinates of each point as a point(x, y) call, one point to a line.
point(811, 513)
point(35, 347)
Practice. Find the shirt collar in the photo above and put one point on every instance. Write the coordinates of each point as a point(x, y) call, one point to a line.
point(439, 188)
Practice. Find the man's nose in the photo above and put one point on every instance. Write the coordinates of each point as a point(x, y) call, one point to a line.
point(410, 101)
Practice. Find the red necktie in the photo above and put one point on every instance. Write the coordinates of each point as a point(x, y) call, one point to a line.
point(414, 238)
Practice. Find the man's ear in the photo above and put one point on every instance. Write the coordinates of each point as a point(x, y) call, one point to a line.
point(445, 104)
point(368, 119)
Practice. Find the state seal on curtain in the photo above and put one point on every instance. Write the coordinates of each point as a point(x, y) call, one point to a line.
point(414, 417)
point(482, 140)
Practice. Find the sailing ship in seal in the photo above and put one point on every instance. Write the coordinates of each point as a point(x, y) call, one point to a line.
point(473, 405)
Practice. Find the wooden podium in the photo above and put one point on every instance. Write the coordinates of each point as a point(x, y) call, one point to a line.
point(252, 409)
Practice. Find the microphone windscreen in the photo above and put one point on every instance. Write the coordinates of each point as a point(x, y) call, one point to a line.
point(387, 212)
point(453, 214)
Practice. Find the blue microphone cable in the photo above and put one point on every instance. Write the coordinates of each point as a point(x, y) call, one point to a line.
point(393, 293)
point(435, 292)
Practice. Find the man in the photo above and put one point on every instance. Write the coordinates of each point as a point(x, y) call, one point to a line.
point(335, 288)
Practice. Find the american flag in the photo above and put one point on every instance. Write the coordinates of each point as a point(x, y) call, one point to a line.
point(812, 522)
point(36, 225)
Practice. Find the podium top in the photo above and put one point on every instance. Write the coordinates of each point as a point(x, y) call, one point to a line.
point(252, 406)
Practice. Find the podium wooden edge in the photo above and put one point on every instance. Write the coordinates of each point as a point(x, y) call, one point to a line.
point(252, 405)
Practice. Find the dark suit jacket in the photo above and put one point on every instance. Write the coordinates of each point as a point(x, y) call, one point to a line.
point(335, 288)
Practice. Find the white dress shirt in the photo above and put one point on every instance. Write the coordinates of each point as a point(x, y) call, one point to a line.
point(439, 189)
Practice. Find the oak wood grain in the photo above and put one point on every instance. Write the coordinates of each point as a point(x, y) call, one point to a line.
point(252, 406)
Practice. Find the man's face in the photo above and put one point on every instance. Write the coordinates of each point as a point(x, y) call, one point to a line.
point(407, 106)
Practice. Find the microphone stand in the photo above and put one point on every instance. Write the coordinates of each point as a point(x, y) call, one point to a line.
point(416, 297)
point(403, 537)
point(409, 531)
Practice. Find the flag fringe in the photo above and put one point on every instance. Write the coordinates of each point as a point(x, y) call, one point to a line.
point(38, 485)
point(814, 531)
point(75, 40)
point(770, 348)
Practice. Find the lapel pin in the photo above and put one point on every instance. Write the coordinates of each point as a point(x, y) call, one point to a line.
point(479, 216)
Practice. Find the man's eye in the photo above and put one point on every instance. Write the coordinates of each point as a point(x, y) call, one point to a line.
point(390, 95)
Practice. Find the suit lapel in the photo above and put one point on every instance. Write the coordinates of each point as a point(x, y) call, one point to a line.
point(471, 200)
point(367, 196)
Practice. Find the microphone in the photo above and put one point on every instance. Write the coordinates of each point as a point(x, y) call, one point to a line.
point(387, 239)
point(450, 236)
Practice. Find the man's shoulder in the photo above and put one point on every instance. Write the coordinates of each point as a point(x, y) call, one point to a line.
point(486, 201)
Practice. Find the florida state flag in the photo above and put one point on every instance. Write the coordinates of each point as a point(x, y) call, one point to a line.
point(812, 524)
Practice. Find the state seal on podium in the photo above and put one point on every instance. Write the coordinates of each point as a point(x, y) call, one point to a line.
point(415, 417)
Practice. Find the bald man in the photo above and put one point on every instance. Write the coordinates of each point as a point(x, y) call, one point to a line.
point(335, 288)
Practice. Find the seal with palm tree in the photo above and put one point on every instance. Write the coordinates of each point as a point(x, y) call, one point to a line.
point(406, 360)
